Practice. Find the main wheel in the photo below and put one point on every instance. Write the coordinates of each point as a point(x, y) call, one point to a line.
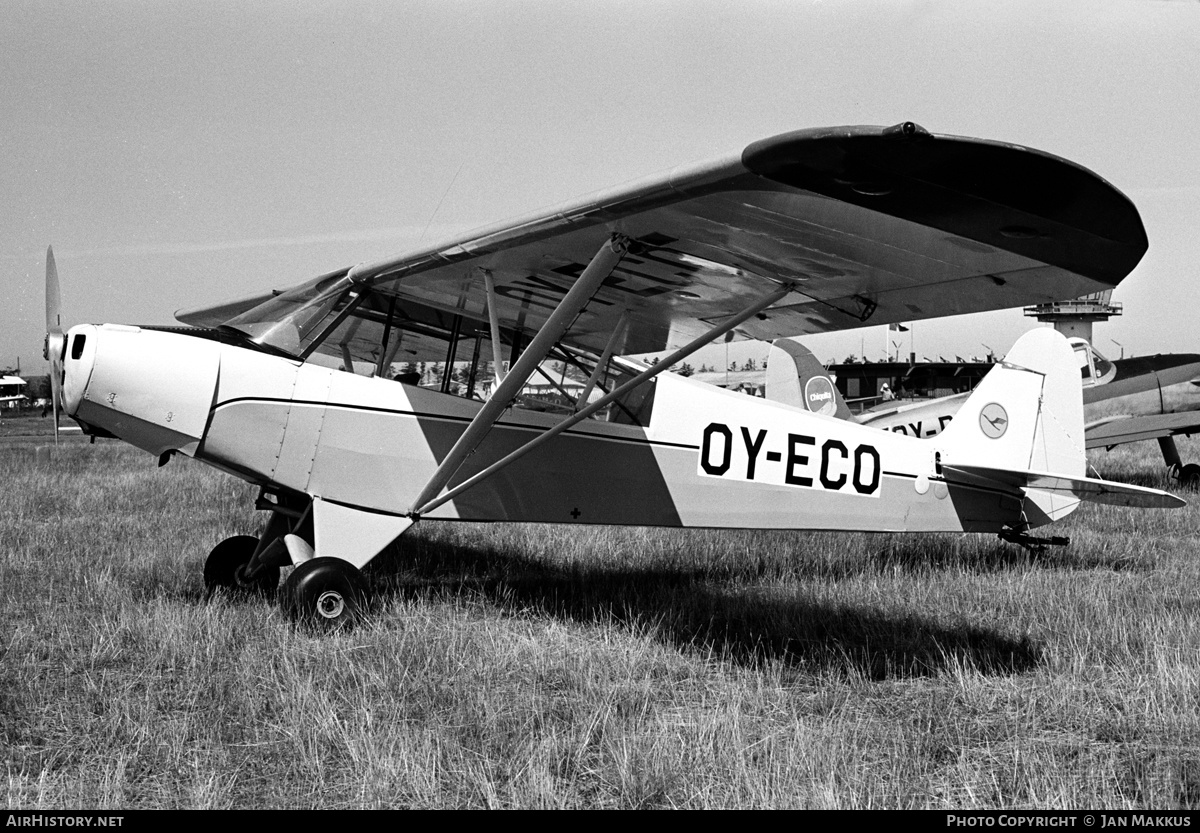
point(326, 594)
point(226, 565)
point(1189, 476)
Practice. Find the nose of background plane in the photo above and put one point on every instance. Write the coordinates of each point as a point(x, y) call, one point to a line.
point(152, 389)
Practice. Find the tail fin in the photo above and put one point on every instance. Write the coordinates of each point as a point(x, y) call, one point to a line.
point(796, 378)
point(1027, 413)
point(1022, 429)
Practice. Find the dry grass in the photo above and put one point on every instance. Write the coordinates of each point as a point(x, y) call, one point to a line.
point(529, 666)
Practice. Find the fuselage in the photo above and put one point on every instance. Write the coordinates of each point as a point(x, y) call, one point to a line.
point(1162, 384)
point(703, 457)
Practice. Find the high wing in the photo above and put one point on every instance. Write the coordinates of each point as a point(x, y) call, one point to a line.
point(868, 225)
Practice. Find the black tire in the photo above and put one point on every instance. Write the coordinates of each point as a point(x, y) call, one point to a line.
point(1189, 476)
point(223, 569)
point(326, 595)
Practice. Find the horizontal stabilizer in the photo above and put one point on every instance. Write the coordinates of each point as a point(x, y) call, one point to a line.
point(1084, 488)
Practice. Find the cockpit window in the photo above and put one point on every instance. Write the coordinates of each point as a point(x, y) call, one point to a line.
point(337, 323)
point(290, 321)
point(1083, 355)
point(1101, 366)
point(1094, 369)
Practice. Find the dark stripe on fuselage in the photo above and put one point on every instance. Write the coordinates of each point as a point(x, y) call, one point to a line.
point(428, 415)
point(582, 478)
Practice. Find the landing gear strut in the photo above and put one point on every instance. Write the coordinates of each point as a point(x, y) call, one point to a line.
point(1187, 476)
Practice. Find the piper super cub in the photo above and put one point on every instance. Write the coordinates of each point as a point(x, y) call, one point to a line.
point(315, 394)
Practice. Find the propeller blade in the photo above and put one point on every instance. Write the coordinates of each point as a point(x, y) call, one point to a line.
point(55, 341)
point(53, 304)
point(55, 397)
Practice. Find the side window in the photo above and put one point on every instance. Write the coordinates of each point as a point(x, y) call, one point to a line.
point(369, 333)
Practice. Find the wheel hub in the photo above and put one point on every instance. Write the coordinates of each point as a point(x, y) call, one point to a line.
point(239, 577)
point(330, 604)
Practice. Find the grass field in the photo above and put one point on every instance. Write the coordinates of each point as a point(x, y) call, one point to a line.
point(534, 666)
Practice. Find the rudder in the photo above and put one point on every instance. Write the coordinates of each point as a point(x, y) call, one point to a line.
point(1026, 414)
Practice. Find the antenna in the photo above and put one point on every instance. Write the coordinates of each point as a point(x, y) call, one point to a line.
point(438, 207)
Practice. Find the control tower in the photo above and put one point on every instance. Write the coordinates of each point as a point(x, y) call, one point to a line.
point(1075, 318)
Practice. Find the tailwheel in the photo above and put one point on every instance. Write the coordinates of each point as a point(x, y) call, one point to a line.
point(225, 569)
point(326, 594)
point(1189, 476)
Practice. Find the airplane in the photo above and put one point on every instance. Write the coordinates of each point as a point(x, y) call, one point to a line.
point(803, 232)
point(1124, 401)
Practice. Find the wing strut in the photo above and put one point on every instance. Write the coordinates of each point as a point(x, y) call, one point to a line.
point(618, 333)
point(494, 325)
point(601, 266)
point(580, 416)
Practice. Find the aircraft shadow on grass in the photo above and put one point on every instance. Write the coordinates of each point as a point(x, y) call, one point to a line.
point(694, 608)
point(702, 608)
point(685, 608)
point(912, 555)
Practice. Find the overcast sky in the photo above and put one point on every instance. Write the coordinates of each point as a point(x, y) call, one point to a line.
point(181, 154)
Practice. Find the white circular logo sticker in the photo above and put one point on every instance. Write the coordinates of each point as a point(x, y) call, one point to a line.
point(993, 420)
point(818, 396)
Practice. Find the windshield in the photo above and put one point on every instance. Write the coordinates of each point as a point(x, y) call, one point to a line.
point(291, 321)
point(1093, 367)
point(1103, 366)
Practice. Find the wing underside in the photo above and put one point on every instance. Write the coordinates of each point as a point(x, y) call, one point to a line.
point(867, 225)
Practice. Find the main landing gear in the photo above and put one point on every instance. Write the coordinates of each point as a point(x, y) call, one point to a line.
point(1187, 476)
point(323, 593)
point(326, 594)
